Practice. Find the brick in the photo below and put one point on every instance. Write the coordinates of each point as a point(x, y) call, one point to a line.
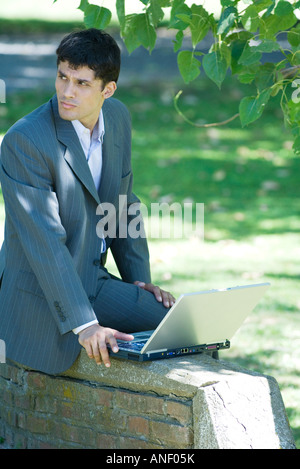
point(9, 416)
point(23, 401)
point(15, 375)
point(4, 370)
point(136, 443)
point(36, 380)
point(65, 409)
point(139, 403)
point(84, 436)
point(45, 404)
point(34, 424)
point(103, 397)
point(21, 420)
point(8, 396)
point(38, 444)
point(167, 433)
point(104, 441)
point(180, 412)
point(20, 441)
point(138, 425)
point(111, 420)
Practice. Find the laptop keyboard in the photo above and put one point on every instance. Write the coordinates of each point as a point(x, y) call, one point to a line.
point(136, 346)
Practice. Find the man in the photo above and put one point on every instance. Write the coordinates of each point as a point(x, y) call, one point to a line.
point(57, 165)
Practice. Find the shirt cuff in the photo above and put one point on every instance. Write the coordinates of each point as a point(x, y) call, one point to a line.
point(84, 326)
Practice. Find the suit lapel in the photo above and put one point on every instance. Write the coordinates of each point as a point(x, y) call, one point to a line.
point(74, 154)
point(111, 165)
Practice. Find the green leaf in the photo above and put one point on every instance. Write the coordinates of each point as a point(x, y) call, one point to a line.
point(97, 17)
point(120, 8)
point(236, 42)
point(266, 45)
point(200, 24)
point(246, 77)
point(265, 76)
point(296, 145)
point(227, 3)
point(250, 19)
point(293, 36)
point(138, 31)
point(215, 66)
point(129, 33)
point(227, 19)
point(261, 5)
point(188, 65)
point(146, 32)
point(275, 23)
point(83, 5)
point(178, 8)
point(155, 12)
point(249, 56)
point(252, 107)
point(283, 8)
point(178, 41)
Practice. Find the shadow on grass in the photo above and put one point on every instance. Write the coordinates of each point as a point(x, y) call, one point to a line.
point(258, 201)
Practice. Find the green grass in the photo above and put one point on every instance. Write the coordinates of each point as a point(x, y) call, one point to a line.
point(249, 184)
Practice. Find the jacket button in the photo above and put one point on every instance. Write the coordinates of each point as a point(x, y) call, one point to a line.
point(92, 299)
point(97, 262)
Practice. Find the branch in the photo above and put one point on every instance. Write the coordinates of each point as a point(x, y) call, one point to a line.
point(214, 124)
point(290, 72)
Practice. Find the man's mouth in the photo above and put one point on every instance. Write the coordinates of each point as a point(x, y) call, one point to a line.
point(67, 105)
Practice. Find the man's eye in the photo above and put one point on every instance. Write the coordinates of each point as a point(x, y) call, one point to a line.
point(62, 77)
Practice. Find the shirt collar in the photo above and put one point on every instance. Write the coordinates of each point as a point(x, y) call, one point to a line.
point(98, 131)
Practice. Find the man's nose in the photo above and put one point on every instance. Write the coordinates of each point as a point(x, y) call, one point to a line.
point(69, 90)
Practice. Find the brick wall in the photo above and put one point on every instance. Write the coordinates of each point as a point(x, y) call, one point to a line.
point(40, 411)
point(169, 404)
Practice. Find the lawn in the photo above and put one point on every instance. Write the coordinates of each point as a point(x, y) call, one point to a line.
point(248, 181)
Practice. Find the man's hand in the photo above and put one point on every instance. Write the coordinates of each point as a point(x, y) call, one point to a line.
point(162, 296)
point(95, 338)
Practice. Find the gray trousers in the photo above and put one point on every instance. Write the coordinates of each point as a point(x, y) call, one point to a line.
point(125, 306)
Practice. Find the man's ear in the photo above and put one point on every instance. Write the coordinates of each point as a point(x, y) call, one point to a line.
point(109, 89)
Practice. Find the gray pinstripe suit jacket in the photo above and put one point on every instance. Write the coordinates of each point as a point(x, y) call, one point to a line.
point(50, 245)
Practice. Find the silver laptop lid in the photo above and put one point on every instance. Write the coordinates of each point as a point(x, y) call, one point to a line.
point(205, 317)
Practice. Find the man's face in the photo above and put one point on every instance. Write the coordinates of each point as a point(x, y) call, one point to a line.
point(80, 95)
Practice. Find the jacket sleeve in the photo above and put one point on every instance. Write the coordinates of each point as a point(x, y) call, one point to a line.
point(32, 207)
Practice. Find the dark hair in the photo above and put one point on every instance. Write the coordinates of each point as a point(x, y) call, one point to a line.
point(93, 48)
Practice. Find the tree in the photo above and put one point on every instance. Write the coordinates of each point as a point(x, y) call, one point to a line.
point(245, 30)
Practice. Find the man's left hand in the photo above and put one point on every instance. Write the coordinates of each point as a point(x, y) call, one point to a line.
point(162, 296)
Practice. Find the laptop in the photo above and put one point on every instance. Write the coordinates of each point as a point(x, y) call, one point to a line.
point(197, 322)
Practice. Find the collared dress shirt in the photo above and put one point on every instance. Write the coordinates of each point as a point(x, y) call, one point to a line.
point(92, 147)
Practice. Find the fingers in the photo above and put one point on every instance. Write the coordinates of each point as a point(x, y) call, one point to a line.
point(95, 340)
point(162, 296)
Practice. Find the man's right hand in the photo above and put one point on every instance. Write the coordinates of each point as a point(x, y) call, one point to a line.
point(95, 339)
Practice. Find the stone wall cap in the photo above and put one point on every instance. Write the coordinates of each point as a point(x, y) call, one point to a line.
point(182, 376)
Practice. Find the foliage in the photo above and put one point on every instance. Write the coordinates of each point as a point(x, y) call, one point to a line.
point(245, 30)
